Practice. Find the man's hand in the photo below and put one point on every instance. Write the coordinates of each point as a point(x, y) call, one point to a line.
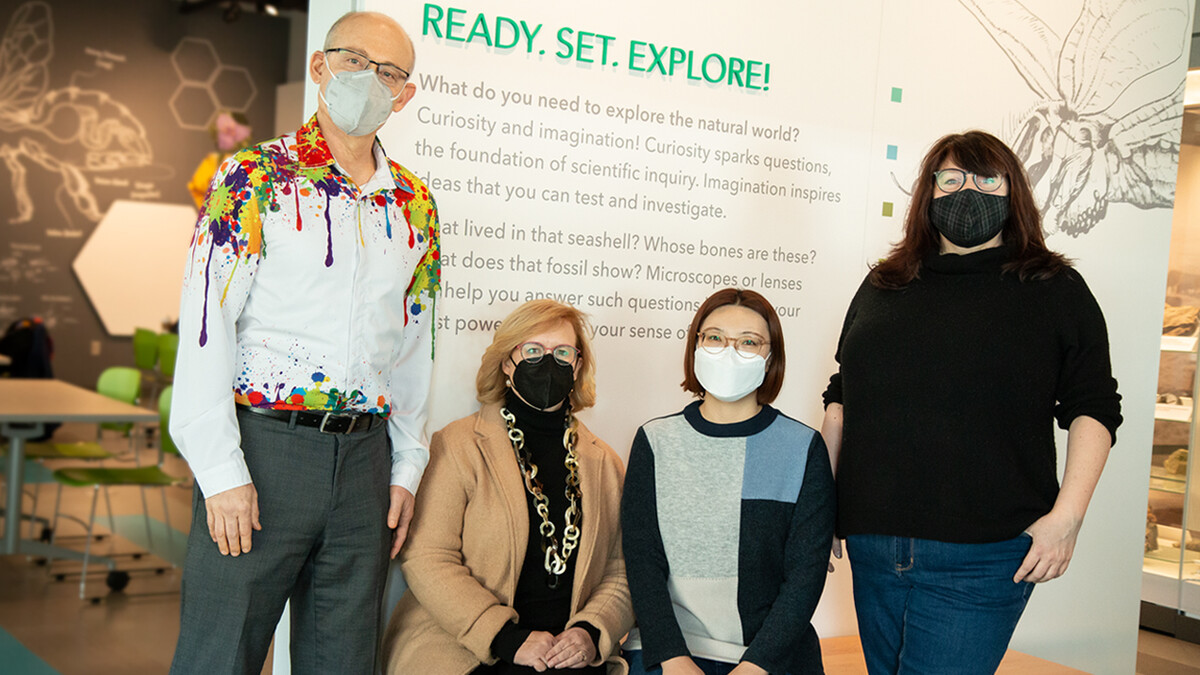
point(400, 514)
point(231, 515)
point(572, 648)
point(533, 651)
point(680, 665)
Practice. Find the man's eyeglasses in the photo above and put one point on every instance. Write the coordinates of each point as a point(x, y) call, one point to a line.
point(534, 351)
point(344, 59)
point(953, 180)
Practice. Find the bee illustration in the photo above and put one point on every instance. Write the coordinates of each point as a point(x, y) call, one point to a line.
point(70, 131)
point(1107, 127)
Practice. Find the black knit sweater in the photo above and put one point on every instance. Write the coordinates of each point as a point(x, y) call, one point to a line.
point(951, 387)
point(539, 606)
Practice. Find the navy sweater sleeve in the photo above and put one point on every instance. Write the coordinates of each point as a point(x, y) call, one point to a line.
point(1085, 384)
point(806, 558)
point(646, 565)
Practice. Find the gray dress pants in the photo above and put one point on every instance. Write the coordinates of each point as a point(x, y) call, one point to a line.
point(323, 502)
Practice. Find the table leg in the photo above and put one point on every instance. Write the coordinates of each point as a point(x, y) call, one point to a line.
point(16, 462)
point(16, 436)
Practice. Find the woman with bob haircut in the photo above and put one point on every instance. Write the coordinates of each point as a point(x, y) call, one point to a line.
point(957, 355)
point(513, 561)
point(728, 510)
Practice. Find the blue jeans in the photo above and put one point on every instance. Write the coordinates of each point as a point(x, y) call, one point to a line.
point(932, 607)
point(636, 667)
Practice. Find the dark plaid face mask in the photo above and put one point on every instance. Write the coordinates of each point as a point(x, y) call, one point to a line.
point(969, 218)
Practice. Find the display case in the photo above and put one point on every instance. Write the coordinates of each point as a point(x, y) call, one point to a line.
point(1171, 564)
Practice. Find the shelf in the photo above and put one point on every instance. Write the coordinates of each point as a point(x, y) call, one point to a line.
point(1172, 412)
point(1178, 343)
point(1171, 487)
point(1165, 481)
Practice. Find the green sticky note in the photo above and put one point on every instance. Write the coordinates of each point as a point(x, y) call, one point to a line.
point(887, 209)
point(896, 93)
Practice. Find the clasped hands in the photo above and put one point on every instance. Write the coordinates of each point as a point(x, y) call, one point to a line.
point(571, 648)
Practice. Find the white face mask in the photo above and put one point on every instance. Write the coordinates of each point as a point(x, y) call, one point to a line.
point(358, 103)
point(727, 375)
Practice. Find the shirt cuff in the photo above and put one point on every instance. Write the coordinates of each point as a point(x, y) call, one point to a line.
point(406, 476)
point(508, 641)
point(222, 477)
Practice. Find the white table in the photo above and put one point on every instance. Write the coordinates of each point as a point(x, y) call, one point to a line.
point(25, 406)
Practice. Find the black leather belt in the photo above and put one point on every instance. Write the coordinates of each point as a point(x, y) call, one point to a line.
point(325, 422)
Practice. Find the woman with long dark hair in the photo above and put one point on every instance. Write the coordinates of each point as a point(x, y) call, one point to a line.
point(959, 352)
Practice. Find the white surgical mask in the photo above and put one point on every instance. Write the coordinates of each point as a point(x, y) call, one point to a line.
point(358, 103)
point(727, 375)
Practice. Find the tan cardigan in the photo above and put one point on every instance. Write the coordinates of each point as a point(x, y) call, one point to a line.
point(467, 544)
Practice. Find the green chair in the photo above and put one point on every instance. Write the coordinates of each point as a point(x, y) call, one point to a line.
point(120, 384)
point(145, 348)
point(105, 477)
point(168, 348)
point(166, 443)
point(145, 357)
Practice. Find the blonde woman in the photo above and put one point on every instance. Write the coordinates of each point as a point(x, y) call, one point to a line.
point(514, 558)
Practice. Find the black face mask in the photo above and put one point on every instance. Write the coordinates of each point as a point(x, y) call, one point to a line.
point(544, 384)
point(969, 218)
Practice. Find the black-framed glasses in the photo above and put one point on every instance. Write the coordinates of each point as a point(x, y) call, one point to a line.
point(534, 351)
point(341, 58)
point(713, 341)
point(953, 180)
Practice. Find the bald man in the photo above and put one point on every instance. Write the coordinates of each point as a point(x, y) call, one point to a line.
point(301, 388)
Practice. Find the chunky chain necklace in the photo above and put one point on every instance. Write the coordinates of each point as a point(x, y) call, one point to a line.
point(557, 553)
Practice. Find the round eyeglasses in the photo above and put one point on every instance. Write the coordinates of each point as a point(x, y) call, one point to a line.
point(953, 180)
point(534, 351)
point(746, 344)
point(343, 59)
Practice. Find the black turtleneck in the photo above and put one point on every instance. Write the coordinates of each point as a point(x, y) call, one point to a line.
point(538, 606)
point(951, 388)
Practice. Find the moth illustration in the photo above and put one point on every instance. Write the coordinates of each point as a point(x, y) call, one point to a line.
point(1108, 124)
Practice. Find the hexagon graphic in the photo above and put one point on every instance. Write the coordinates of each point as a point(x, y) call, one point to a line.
point(193, 106)
point(233, 88)
point(195, 60)
point(131, 268)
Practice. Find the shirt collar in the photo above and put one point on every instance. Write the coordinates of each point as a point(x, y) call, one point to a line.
point(313, 152)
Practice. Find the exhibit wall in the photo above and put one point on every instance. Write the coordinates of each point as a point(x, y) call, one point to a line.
point(105, 113)
point(631, 158)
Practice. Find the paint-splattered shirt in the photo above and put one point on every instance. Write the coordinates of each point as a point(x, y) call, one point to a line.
point(306, 291)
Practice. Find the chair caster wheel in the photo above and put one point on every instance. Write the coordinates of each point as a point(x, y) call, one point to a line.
point(137, 556)
point(160, 570)
point(94, 601)
point(60, 577)
point(47, 534)
point(117, 580)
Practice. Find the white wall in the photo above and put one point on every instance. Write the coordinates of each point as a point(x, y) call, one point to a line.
point(834, 70)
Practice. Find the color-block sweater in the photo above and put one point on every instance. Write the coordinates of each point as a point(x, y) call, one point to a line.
point(726, 530)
